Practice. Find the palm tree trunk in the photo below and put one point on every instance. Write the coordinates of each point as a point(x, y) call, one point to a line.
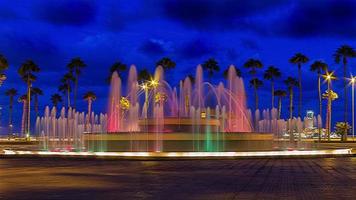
point(345, 94)
point(279, 107)
point(291, 134)
point(320, 105)
point(329, 110)
point(28, 109)
point(75, 90)
point(272, 90)
point(10, 113)
point(300, 90)
point(23, 119)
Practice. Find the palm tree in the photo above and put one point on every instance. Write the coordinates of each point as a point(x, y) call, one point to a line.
point(319, 67)
point(23, 99)
point(144, 75)
point(75, 66)
point(271, 74)
point(280, 94)
point(166, 63)
point(90, 97)
point(116, 67)
point(226, 71)
point(253, 65)
point(26, 71)
point(36, 92)
point(11, 93)
point(3, 66)
point(291, 83)
point(331, 96)
point(211, 66)
point(55, 99)
point(299, 59)
point(256, 83)
point(65, 87)
point(342, 54)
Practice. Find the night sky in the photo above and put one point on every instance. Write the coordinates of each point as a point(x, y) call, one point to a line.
point(51, 32)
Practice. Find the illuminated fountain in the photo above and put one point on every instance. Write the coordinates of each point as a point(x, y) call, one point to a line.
point(153, 116)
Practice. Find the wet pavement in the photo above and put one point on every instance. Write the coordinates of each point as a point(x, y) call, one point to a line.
point(46, 178)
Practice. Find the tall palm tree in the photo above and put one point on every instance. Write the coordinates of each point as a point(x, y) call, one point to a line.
point(76, 66)
point(291, 83)
point(36, 92)
point(253, 65)
point(280, 94)
point(144, 75)
point(342, 54)
point(66, 86)
point(226, 71)
point(3, 66)
point(299, 59)
point(211, 66)
point(26, 71)
point(116, 67)
point(11, 93)
point(331, 96)
point(166, 63)
point(256, 84)
point(319, 67)
point(271, 74)
point(55, 99)
point(90, 97)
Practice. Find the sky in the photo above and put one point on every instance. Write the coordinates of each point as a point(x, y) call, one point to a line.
point(51, 32)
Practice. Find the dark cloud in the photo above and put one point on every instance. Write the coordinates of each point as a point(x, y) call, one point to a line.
point(215, 15)
point(67, 12)
point(196, 49)
point(320, 18)
point(153, 47)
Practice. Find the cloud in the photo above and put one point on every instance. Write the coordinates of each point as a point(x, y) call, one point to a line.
point(215, 15)
point(196, 49)
point(67, 12)
point(153, 47)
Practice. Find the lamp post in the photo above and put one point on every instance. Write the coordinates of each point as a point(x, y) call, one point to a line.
point(328, 78)
point(353, 80)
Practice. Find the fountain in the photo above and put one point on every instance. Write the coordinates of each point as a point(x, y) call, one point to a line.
point(153, 116)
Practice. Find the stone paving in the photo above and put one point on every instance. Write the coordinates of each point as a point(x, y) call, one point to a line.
point(45, 178)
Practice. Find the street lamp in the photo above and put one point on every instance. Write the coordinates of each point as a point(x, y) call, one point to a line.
point(353, 81)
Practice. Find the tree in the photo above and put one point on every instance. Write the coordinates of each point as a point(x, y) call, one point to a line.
point(65, 86)
point(166, 63)
point(90, 97)
point(211, 66)
point(342, 54)
point(26, 71)
point(299, 59)
point(280, 94)
point(144, 75)
point(319, 67)
point(331, 96)
point(271, 74)
point(291, 83)
point(11, 93)
point(75, 66)
point(341, 128)
point(226, 71)
point(36, 92)
point(253, 65)
point(256, 84)
point(116, 67)
point(3, 66)
point(55, 99)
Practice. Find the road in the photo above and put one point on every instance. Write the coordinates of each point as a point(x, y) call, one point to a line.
point(45, 178)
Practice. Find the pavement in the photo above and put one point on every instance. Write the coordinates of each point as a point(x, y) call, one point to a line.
point(292, 178)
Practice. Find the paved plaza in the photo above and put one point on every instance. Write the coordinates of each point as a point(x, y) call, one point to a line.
point(45, 178)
